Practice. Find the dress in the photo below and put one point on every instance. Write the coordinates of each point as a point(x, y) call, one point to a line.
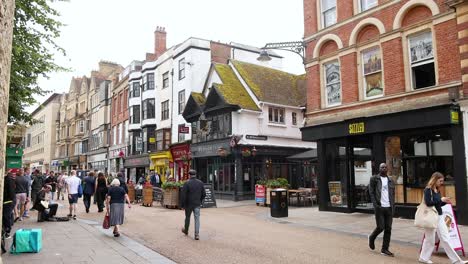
point(117, 205)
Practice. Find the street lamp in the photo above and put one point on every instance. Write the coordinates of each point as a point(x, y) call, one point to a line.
point(297, 47)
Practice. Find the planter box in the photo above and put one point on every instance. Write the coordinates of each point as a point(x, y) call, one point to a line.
point(131, 193)
point(171, 197)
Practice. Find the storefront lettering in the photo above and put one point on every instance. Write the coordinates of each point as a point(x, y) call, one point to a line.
point(356, 128)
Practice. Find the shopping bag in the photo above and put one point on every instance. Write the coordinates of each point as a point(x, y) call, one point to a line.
point(26, 240)
point(426, 216)
point(106, 222)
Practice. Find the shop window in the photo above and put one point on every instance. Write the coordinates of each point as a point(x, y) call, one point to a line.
point(337, 174)
point(328, 12)
point(372, 73)
point(332, 83)
point(276, 115)
point(367, 4)
point(413, 158)
point(422, 60)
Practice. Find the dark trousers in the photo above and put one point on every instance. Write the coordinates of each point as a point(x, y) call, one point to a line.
point(7, 214)
point(87, 200)
point(383, 219)
point(101, 196)
point(48, 213)
point(34, 195)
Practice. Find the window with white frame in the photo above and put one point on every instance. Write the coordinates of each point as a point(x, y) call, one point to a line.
point(165, 78)
point(135, 92)
point(148, 109)
point(372, 72)
point(276, 115)
point(120, 135)
point(367, 4)
point(165, 110)
point(114, 135)
point(294, 118)
point(135, 114)
point(328, 12)
point(181, 68)
point(181, 101)
point(150, 81)
point(332, 83)
point(421, 57)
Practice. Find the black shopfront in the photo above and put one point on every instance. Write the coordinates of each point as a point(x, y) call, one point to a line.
point(413, 144)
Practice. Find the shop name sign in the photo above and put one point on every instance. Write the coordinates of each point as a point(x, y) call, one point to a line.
point(254, 137)
point(184, 129)
point(357, 128)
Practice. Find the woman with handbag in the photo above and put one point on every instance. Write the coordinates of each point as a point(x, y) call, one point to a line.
point(116, 198)
point(433, 200)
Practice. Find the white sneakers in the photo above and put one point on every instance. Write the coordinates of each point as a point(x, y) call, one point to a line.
point(425, 261)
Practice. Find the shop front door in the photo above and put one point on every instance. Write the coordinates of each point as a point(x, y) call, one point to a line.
point(361, 163)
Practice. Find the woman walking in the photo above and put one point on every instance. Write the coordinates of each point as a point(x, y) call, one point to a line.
point(432, 197)
point(115, 202)
point(101, 191)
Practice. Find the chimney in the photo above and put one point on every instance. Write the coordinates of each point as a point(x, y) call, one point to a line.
point(159, 41)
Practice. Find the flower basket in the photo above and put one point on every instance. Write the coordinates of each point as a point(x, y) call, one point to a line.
point(246, 152)
point(171, 194)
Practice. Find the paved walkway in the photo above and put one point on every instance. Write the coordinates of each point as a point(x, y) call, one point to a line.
point(81, 241)
point(357, 224)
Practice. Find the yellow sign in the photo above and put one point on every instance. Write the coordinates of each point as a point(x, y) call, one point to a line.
point(356, 128)
point(454, 117)
point(152, 140)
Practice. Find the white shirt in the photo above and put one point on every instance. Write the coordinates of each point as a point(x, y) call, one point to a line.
point(384, 201)
point(73, 182)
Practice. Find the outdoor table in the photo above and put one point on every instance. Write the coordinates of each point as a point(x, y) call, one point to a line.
point(296, 193)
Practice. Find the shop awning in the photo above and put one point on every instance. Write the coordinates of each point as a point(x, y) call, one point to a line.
point(310, 154)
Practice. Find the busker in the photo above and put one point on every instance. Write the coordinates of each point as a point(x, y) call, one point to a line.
point(382, 194)
point(115, 202)
point(432, 197)
point(45, 209)
point(192, 195)
point(73, 183)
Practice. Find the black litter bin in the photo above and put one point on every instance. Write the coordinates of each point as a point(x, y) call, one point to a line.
point(279, 203)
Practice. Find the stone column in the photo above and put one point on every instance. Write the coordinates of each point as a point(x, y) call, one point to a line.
point(7, 12)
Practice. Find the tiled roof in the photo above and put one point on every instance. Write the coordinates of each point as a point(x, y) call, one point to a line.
point(232, 89)
point(273, 86)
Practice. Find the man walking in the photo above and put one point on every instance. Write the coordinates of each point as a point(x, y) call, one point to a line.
point(382, 194)
point(193, 193)
point(21, 189)
point(27, 175)
point(73, 182)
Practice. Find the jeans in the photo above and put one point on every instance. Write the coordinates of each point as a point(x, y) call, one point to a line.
point(87, 200)
point(429, 242)
point(383, 219)
point(196, 216)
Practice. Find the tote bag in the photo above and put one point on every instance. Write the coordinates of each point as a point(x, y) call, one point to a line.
point(106, 222)
point(426, 217)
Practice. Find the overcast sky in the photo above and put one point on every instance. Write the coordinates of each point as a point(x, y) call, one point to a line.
point(122, 30)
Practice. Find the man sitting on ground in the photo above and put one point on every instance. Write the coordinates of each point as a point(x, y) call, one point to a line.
point(46, 211)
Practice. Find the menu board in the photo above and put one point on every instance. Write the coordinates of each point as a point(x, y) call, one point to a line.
point(334, 187)
point(210, 200)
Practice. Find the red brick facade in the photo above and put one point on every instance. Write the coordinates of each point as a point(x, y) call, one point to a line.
point(354, 31)
point(119, 110)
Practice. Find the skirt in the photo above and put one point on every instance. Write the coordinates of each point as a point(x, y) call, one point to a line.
point(116, 214)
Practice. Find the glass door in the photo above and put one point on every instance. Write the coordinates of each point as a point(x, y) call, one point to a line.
point(361, 161)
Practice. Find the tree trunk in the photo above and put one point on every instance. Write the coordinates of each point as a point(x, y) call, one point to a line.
point(7, 12)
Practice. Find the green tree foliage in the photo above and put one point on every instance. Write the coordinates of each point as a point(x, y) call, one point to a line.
point(35, 30)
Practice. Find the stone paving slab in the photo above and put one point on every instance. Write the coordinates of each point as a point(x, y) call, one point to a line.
point(359, 224)
point(81, 241)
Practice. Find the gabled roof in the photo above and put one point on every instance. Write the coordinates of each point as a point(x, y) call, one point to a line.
point(271, 85)
point(198, 98)
point(232, 89)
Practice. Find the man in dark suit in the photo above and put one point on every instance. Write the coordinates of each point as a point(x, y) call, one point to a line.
point(192, 195)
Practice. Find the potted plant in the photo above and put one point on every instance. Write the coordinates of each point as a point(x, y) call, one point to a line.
point(274, 184)
point(171, 193)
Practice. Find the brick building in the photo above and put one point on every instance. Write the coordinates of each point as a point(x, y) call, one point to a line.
point(384, 85)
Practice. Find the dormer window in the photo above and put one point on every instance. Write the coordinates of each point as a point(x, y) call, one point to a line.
point(276, 115)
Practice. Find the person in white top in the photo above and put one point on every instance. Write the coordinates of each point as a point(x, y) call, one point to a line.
point(382, 194)
point(73, 183)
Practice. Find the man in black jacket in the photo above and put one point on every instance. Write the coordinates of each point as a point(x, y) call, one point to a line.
point(192, 195)
point(9, 200)
point(382, 194)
